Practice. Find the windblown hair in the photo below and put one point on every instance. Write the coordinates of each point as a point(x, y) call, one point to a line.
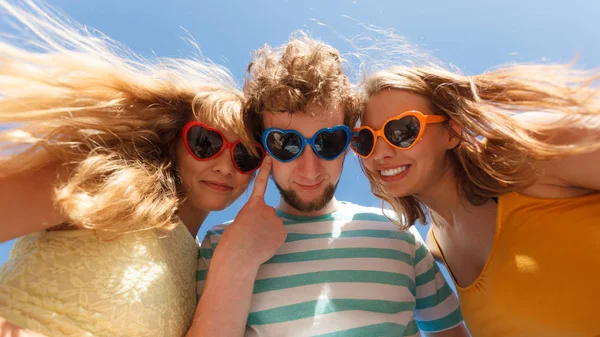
point(301, 74)
point(75, 98)
point(483, 107)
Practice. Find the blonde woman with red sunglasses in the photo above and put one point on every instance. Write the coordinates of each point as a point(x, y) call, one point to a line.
point(513, 198)
point(109, 165)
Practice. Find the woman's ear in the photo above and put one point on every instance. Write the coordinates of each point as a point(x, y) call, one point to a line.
point(454, 134)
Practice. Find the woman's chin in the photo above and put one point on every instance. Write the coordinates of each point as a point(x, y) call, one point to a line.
point(220, 205)
point(216, 207)
point(397, 191)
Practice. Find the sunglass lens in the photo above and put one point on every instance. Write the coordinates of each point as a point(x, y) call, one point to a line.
point(204, 143)
point(330, 144)
point(362, 142)
point(244, 160)
point(402, 132)
point(283, 146)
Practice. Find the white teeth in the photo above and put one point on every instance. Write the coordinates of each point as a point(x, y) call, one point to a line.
point(394, 171)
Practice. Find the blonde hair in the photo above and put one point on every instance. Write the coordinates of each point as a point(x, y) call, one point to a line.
point(482, 106)
point(80, 99)
point(302, 73)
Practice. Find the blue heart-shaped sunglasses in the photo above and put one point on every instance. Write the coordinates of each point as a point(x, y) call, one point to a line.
point(287, 145)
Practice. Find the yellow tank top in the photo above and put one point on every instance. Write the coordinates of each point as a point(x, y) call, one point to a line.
point(70, 283)
point(542, 277)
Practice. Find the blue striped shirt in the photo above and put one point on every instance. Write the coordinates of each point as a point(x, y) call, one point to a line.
point(349, 273)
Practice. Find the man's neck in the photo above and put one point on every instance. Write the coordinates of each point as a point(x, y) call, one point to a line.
point(332, 206)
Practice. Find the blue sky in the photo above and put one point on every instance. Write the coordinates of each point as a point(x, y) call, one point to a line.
point(472, 35)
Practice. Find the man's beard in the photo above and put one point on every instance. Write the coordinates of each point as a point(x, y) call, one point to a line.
point(292, 198)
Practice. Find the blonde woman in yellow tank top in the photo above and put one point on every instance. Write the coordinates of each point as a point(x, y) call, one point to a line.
point(513, 198)
point(110, 163)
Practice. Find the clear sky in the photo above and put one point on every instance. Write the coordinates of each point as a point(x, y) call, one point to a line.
point(473, 35)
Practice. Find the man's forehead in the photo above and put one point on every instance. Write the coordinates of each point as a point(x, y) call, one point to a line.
point(315, 116)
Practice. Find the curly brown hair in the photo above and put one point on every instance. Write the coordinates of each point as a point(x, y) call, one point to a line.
point(302, 73)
